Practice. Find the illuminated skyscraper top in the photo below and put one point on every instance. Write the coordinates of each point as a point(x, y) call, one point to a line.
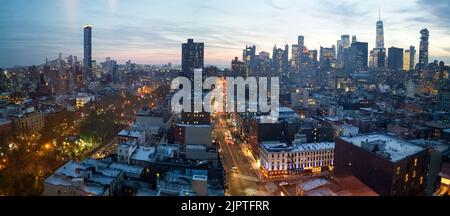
point(380, 32)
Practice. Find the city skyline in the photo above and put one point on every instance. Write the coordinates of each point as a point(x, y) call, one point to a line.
point(143, 33)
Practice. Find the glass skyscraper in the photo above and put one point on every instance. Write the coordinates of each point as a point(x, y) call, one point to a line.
point(87, 61)
point(423, 50)
point(380, 35)
point(409, 59)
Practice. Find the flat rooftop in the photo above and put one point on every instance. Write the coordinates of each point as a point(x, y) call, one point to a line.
point(397, 149)
point(283, 147)
point(130, 133)
point(143, 153)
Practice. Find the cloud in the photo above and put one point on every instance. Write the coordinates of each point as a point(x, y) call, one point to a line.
point(439, 10)
point(344, 9)
point(274, 5)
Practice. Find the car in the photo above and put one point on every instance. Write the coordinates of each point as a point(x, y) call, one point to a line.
point(283, 184)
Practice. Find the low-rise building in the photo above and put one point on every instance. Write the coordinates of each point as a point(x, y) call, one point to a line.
point(125, 150)
point(279, 159)
point(131, 135)
point(78, 179)
point(388, 165)
point(28, 122)
point(192, 183)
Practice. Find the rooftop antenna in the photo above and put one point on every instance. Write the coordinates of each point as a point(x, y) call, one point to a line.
point(379, 14)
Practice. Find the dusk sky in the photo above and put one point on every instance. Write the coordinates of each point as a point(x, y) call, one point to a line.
point(152, 31)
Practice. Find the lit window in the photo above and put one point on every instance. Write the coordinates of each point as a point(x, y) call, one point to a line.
point(421, 179)
point(406, 177)
point(414, 174)
point(398, 170)
point(415, 162)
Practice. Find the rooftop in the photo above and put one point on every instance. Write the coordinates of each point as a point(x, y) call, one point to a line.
point(127, 168)
point(395, 148)
point(130, 133)
point(283, 147)
point(143, 153)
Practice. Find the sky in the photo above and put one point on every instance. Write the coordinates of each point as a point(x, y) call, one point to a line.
point(151, 31)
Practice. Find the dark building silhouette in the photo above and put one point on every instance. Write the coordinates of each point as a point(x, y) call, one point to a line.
point(423, 49)
point(87, 61)
point(395, 58)
point(192, 57)
point(356, 57)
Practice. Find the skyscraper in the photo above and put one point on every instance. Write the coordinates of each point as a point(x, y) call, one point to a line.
point(380, 34)
point(249, 56)
point(406, 60)
point(378, 54)
point(342, 44)
point(87, 61)
point(395, 58)
point(280, 60)
point(327, 57)
point(356, 57)
point(294, 57)
point(301, 41)
point(409, 59)
point(299, 58)
point(192, 57)
point(423, 50)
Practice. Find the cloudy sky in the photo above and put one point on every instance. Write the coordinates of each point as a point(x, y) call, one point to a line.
point(151, 31)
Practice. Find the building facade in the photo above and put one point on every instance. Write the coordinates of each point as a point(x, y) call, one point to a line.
point(192, 57)
point(388, 165)
point(279, 160)
point(87, 61)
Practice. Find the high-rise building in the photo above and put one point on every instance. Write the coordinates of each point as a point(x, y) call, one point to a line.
point(295, 55)
point(312, 56)
point(380, 34)
point(395, 58)
point(377, 58)
point(409, 59)
point(356, 57)
point(280, 60)
point(237, 67)
point(87, 61)
point(192, 57)
point(342, 44)
point(378, 54)
point(249, 58)
point(423, 50)
point(301, 46)
point(406, 60)
point(327, 57)
point(301, 41)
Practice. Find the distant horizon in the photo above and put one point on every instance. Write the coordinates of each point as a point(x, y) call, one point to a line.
point(124, 30)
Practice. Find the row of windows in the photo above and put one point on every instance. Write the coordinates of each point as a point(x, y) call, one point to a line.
point(323, 157)
point(330, 160)
point(303, 154)
point(302, 165)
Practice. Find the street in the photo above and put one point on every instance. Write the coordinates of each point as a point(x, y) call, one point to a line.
point(243, 180)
